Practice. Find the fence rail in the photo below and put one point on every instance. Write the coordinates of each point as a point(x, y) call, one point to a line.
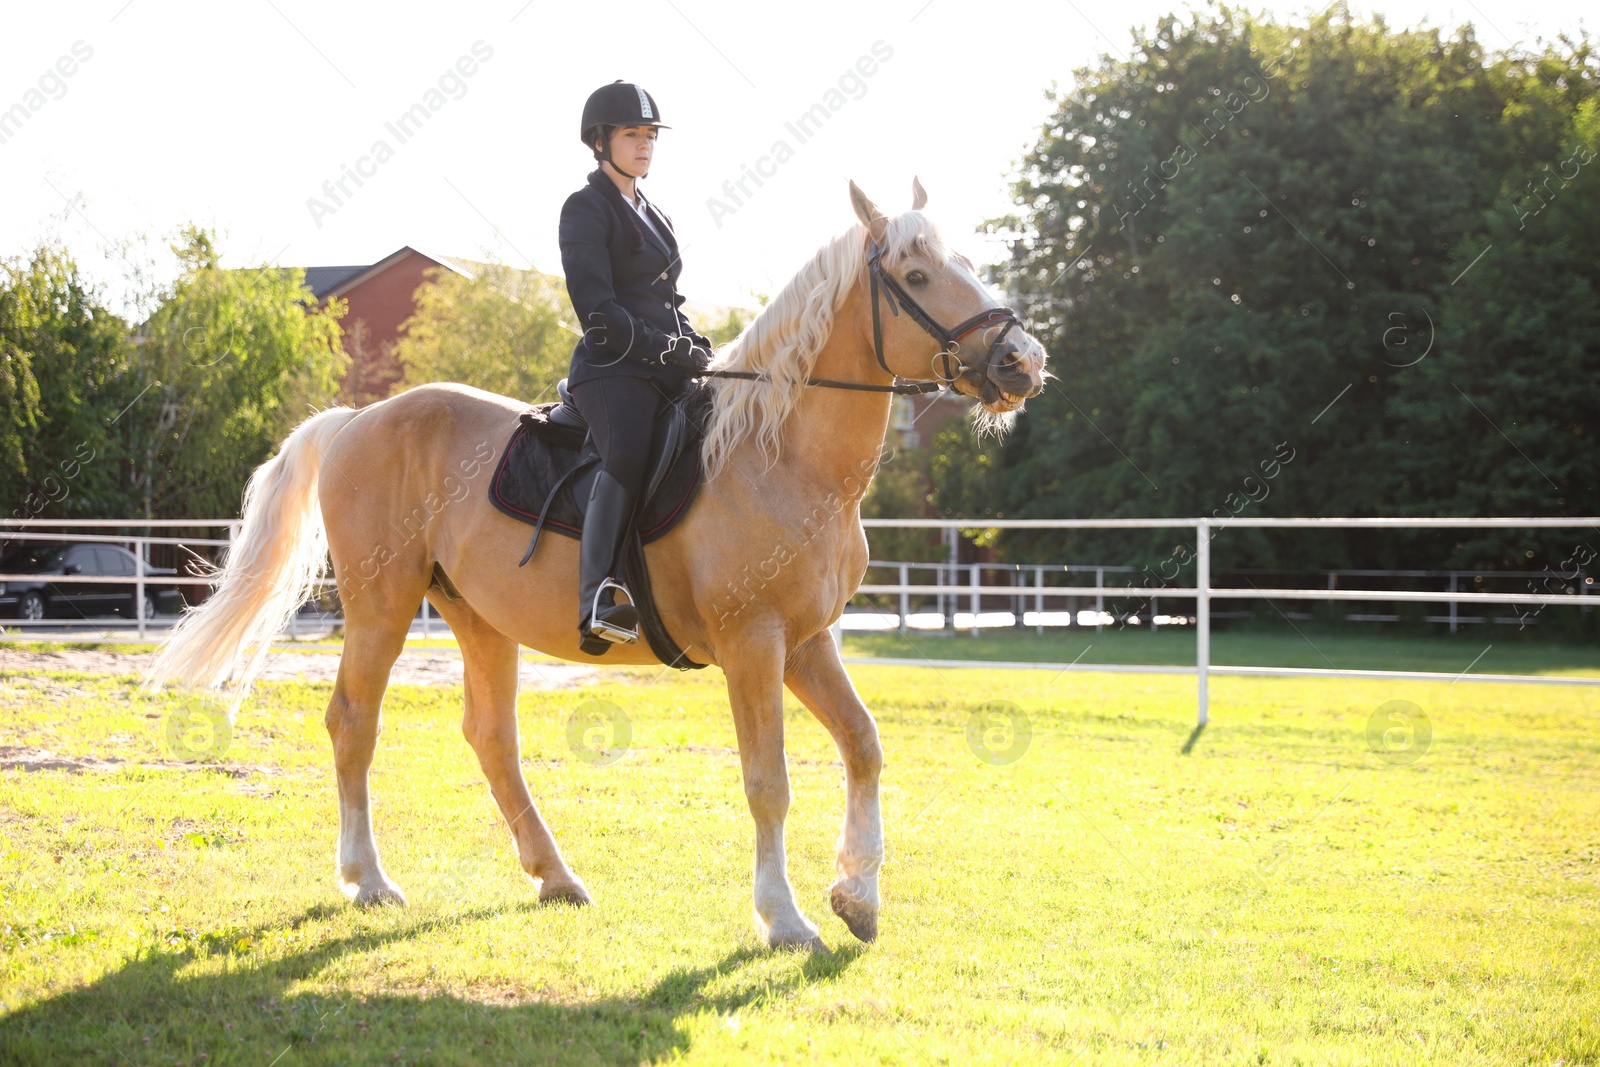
point(139, 544)
point(1203, 592)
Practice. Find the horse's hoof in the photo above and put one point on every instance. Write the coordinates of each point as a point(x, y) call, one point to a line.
point(382, 894)
point(858, 915)
point(564, 893)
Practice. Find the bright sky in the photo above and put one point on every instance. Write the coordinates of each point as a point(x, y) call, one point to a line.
point(235, 115)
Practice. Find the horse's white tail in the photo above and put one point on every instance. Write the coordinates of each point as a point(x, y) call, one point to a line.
point(271, 569)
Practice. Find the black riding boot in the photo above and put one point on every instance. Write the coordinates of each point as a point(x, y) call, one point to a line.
point(605, 523)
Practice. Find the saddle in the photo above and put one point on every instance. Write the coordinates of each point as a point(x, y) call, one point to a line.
point(548, 467)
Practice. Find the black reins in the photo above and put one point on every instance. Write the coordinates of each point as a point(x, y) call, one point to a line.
point(949, 340)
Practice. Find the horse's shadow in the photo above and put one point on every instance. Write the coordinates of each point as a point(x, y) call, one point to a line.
point(147, 1012)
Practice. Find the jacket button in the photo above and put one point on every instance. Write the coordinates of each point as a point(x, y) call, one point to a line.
point(667, 305)
point(663, 277)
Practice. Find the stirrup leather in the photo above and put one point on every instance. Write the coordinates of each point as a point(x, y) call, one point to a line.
point(617, 635)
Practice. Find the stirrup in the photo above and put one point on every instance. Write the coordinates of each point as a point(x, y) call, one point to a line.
point(617, 635)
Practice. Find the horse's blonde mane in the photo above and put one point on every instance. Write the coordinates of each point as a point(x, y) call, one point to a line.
point(786, 336)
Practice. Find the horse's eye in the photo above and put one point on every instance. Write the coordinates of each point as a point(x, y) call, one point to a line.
point(916, 277)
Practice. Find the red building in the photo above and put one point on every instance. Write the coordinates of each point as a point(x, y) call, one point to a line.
point(381, 297)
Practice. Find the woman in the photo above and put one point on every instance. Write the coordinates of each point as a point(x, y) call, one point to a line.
point(621, 261)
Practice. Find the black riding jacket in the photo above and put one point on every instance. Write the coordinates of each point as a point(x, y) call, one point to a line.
point(622, 280)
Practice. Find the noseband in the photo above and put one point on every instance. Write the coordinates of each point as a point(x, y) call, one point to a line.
point(895, 296)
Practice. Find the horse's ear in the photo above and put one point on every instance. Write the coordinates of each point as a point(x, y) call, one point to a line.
point(873, 219)
point(919, 195)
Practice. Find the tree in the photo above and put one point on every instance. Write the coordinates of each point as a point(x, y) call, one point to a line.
point(64, 383)
point(732, 325)
point(502, 329)
point(231, 360)
point(1215, 240)
point(1518, 346)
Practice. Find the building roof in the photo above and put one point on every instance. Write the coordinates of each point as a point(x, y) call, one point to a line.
point(323, 280)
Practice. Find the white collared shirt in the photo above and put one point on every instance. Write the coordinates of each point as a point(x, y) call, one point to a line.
point(640, 207)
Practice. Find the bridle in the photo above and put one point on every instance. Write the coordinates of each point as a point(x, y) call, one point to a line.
point(895, 295)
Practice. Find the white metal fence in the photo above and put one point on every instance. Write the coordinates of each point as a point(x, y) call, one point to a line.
point(1022, 584)
point(108, 531)
point(101, 531)
point(1202, 592)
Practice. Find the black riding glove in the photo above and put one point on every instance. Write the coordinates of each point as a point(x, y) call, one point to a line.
point(687, 356)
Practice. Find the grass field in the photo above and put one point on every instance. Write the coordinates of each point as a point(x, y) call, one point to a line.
point(1305, 644)
point(1294, 889)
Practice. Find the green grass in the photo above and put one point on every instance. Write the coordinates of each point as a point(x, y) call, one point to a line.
point(1278, 895)
point(1347, 647)
point(1310, 645)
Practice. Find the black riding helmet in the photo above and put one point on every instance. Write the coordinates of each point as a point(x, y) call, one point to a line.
point(618, 104)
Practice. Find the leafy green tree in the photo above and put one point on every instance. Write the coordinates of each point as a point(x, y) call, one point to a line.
point(502, 329)
point(232, 360)
point(1514, 367)
point(64, 382)
point(1216, 238)
point(731, 325)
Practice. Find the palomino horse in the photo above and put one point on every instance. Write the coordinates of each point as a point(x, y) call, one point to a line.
point(750, 580)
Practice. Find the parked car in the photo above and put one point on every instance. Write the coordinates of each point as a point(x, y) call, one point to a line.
point(40, 598)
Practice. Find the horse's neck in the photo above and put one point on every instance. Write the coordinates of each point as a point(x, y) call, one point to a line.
point(833, 439)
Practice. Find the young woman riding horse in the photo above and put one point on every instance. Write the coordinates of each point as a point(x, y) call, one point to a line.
point(622, 265)
point(750, 579)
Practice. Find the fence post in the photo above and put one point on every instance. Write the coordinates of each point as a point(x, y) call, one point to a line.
point(951, 602)
point(1038, 600)
point(138, 584)
point(945, 621)
point(975, 586)
point(1202, 614)
point(1453, 603)
point(905, 597)
point(426, 630)
point(1099, 596)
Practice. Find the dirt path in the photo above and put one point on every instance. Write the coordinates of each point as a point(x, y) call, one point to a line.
point(413, 668)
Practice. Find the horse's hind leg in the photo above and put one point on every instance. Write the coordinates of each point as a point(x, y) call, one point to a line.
point(490, 725)
point(817, 676)
point(371, 646)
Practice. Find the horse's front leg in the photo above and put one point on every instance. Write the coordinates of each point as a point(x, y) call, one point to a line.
point(816, 675)
point(755, 690)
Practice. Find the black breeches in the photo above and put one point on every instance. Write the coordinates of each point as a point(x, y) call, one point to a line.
point(622, 417)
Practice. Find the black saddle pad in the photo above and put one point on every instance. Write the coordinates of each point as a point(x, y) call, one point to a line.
point(542, 453)
point(543, 456)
